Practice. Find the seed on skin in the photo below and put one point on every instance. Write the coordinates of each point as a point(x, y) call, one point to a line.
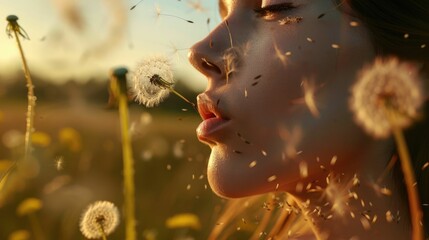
point(205, 186)
point(254, 84)
point(245, 92)
point(217, 102)
point(264, 153)
point(310, 40)
point(184, 109)
point(288, 53)
point(243, 220)
point(365, 223)
point(362, 203)
point(335, 46)
point(386, 191)
point(425, 166)
point(188, 187)
point(257, 77)
point(201, 176)
point(352, 214)
point(321, 15)
point(389, 216)
point(272, 178)
point(334, 160)
point(252, 164)
point(277, 186)
point(354, 24)
point(168, 167)
point(303, 169)
point(299, 187)
point(236, 151)
point(374, 219)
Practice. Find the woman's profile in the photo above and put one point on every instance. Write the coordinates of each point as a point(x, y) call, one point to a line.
point(278, 111)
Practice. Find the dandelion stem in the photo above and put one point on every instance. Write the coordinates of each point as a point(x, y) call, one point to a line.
point(181, 96)
point(31, 98)
point(100, 228)
point(304, 211)
point(130, 222)
point(413, 197)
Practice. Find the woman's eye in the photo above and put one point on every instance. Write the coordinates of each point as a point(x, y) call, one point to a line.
point(269, 12)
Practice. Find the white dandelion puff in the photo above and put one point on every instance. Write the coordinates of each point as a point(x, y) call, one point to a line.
point(387, 94)
point(149, 73)
point(99, 219)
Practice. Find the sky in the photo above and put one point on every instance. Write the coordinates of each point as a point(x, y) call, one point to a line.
point(85, 39)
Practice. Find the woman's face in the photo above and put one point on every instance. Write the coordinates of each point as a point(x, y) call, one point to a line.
point(276, 104)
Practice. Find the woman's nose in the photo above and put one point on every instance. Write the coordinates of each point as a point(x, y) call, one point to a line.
point(207, 55)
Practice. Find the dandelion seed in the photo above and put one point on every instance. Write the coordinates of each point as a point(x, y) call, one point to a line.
point(135, 5)
point(335, 46)
point(257, 77)
point(299, 187)
point(153, 81)
point(264, 153)
point(354, 24)
point(100, 218)
point(333, 160)
point(303, 169)
point(254, 84)
point(309, 89)
point(365, 223)
point(423, 46)
point(310, 40)
point(245, 92)
point(406, 35)
point(386, 191)
point(279, 54)
point(272, 178)
point(389, 216)
point(386, 87)
point(352, 214)
point(252, 164)
point(158, 13)
point(425, 166)
point(374, 219)
point(59, 163)
point(237, 151)
point(168, 167)
point(231, 59)
point(188, 187)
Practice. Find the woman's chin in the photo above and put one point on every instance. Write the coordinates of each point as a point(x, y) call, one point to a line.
point(229, 176)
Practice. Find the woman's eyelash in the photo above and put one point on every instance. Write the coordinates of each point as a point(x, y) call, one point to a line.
point(263, 11)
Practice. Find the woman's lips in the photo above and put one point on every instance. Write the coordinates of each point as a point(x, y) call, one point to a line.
point(213, 119)
point(209, 129)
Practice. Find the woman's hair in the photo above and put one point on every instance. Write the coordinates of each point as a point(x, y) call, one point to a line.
point(401, 28)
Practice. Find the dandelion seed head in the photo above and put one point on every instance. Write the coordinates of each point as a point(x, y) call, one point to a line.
point(146, 89)
point(99, 214)
point(391, 82)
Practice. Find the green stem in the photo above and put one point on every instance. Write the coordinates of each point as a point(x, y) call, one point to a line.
point(413, 196)
point(35, 226)
point(130, 232)
point(103, 234)
point(181, 96)
point(31, 100)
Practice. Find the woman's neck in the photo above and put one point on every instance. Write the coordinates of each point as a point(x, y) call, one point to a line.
point(359, 202)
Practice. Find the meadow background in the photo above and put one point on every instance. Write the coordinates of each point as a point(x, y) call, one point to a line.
point(77, 136)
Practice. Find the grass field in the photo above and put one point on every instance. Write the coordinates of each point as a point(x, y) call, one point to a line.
point(78, 149)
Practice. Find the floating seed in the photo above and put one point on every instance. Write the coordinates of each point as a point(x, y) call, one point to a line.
point(354, 24)
point(310, 40)
point(335, 46)
point(252, 164)
point(425, 166)
point(272, 178)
